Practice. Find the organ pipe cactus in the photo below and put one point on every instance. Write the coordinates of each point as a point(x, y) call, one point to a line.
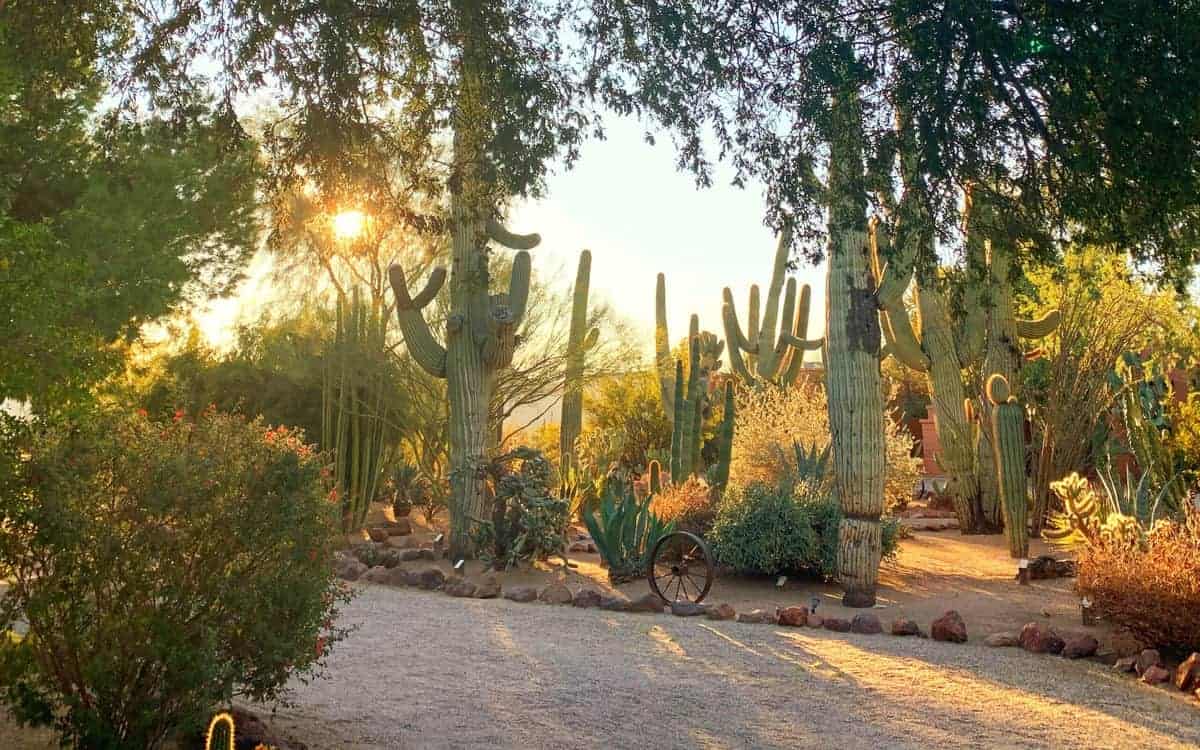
point(710, 349)
point(479, 341)
point(759, 355)
point(1008, 449)
point(725, 440)
point(580, 341)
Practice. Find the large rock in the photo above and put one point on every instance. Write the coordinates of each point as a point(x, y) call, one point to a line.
point(399, 542)
point(351, 570)
point(756, 616)
point(837, 624)
point(949, 628)
point(1146, 659)
point(1040, 639)
point(460, 588)
point(615, 603)
point(377, 574)
point(793, 617)
point(648, 602)
point(815, 620)
point(1126, 664)
point(1045, 566)
point(866, 623)
point(905, 626)
point(397, 576)
point(555, 593)
point(1003, 640)
point(389, 558)
point(1155, 675)
point(587, 598)
point(1187, 676)
point(580, 547)
point(488, 588)
point(1080, 646)
point(722, 611)
point(410, 554)
point(688, 609)
point(521, 594)
point(429, 579)
point(378, 534)
point(399, 527)
point(429, 553)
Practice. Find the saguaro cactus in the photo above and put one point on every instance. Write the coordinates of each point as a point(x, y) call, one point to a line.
point(710, 349)
point(759, 355)
point(580, 341)
point(725, 439)
point(1008, 450)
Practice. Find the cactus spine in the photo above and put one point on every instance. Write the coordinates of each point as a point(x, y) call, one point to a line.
point(581, 340)
point(1008, 450)
point(759, 356)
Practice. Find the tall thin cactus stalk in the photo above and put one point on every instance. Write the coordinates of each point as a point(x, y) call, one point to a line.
point(1008, 451)
point(580, 341)
point(354, 396)
point(725, 439)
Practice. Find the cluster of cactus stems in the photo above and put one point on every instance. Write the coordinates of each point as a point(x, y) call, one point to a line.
point(687, 403)
point(580, 340)
point(221, 734)
point(760, 355)
point(353, 422)
point(1008, 450)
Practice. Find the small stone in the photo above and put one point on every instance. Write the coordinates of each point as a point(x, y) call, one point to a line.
point(949, 628)
point(1040, 639)
point(377, 574)
point(816, 621)
point(793, 617)
point(378, 534)
point(390, 558)
point(1126, 664)
point(399, 527)
point(1080, 646)
point(1003, 640)
point(591, 548)
point(555, 593)
point(578, 547)
point(756, 616)
point(429, 553)
point(460, 588)
point(408, 555)
point(397, 577)
point(1148, 658)
point(615, 603)
point(488, 588)
point(905, 626)
point(1187, 676)
point(1045, 612)
point(688, 609)
point(837, 624)
point(648, 602)
point(521, 594)
point(586, 598)
point(399, 542)
point(429, 579)
point(1155, 675)
point(722, 611)
point(351, 570)
point(865, 623)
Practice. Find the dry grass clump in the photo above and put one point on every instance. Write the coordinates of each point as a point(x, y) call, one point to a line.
point(689, 504)
point(1152, 588)
point(771, 420)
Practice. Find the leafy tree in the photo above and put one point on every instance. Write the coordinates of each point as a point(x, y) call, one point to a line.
point(108, 218)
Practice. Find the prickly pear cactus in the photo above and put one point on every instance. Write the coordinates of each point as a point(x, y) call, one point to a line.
point(1008, 450)
point(580, 341)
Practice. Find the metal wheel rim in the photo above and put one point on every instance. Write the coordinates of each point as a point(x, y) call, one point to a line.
point(685, 581)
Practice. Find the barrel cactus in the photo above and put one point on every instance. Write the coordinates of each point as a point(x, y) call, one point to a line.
point(1008, 450)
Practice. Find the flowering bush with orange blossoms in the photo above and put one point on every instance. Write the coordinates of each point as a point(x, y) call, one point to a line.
point(165, 566)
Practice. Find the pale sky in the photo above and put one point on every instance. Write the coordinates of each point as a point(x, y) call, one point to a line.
point(625, 201)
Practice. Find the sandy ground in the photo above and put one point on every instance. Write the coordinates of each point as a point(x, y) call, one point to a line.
point(426, 670)
point(429, 671)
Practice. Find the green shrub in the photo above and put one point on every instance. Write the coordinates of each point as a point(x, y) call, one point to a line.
point(163, 568)
point(528, 522)
point(790, 528)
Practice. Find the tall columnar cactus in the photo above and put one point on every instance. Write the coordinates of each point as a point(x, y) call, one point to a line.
point(709, 355)
point(354, 414)
point(1008, 450)
point(655, 482)
point(581, 340)
point(480, 338)
point(759, 355)
point(725, 439)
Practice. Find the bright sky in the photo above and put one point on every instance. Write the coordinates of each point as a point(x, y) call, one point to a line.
point(625, 201)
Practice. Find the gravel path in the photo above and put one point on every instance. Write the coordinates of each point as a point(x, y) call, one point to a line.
point(429, 671)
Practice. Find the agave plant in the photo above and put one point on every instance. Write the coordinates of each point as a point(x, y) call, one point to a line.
point(624, 530)
point(1133, 498)
point(811, 465)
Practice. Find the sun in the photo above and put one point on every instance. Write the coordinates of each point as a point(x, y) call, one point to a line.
point(349, 224)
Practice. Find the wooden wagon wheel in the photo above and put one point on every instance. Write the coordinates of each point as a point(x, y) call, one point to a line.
point(681, 568)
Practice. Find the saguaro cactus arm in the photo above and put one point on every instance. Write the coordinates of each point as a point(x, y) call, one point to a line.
point(507, 310)
point(900, 340)
point(497, 233)
point(425, 349)
point(1038, 327)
